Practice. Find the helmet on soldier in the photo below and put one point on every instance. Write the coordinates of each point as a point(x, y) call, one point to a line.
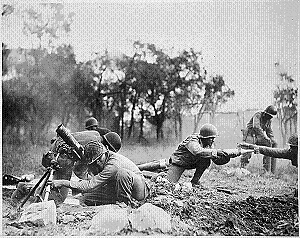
point(293, 140)
point(113, 140)
point(92, 121)
point(208, 131)
point(93, 150)
point(271, 111)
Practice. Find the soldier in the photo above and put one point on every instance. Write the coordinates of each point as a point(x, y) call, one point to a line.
point(111, 141)
point(67, 163)
point(115, 178)
point(92, 124)
point(290, 153)
point(196, 152)
point(259, 132)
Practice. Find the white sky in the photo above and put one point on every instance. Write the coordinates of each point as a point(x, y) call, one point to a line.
point(240, 40)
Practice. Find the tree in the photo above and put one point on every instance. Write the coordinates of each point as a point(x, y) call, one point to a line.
point(186, 79)
point(216, 93)
point(46, 21)
point(41, 88)
point(5, 53)
point(285, 95)
point(212, 94)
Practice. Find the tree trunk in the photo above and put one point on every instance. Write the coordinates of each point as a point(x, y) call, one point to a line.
point(198, 118)
point(132, 117)
point(176, 127)
point(141, 135)
point(180, 126)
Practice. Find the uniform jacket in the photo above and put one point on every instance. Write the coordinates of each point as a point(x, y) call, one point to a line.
point(258, 129)
point(287, 153)
point(102, 131)
point(111, 165)
point(190, 153)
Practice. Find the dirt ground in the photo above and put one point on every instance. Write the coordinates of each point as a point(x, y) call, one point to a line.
point(226, 203)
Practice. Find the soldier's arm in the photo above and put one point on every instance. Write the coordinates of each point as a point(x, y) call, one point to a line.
point(269, 131)
point(97, 180)
point(196, 149)
point(275, 152)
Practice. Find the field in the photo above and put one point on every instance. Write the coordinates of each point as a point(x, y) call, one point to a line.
point(204, 211)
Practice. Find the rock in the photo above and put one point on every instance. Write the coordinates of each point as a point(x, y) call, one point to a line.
point(73, 201)
point(45, 211)
point(68, 218)
point(179, 203)
point(187, 186)
point(109, 219)
point(177, 187)
point(150, 216)
point(241, 172)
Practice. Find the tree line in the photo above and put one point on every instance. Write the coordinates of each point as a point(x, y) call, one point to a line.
point(45, 85)
point(149, 86)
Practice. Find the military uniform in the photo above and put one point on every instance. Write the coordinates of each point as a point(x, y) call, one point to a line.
point(259, 132)
point(102, 131)
point(66, 162)
point(190, 154)
point(119, 180)
point(287, 153)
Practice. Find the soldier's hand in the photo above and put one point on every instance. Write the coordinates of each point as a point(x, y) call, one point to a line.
point(60, 183)
point(47, 158)
point(233, 153)
point(246, 146)
point(221, 153)
point(64, 150)
point(273, 143)
point(268, 141)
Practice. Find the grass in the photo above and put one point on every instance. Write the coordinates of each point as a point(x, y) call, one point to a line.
point(20, 160)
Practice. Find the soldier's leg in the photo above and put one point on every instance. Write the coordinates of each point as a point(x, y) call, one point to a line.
point(273, 165)
point(201, 167)
point(267, 163)
point(245, 159)
point(123, 188)
point(105, 194)
point(174, 173)
point(130, 185)
point(273, 160)
point(266, 159)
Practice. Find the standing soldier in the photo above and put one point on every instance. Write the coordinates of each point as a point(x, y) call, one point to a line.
point(92, 124)
point(290, 153)
point(259, 132)
point(196, 152)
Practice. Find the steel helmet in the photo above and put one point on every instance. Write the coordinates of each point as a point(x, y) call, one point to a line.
point(208, 130)
point(92, 121)
point(93, 150)
point(271, 110)
point(293, 140)
point(113, 140)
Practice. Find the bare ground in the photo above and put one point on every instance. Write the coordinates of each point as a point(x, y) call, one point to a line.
point(224, 204)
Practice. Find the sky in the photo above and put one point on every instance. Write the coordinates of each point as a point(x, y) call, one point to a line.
point(241, 40)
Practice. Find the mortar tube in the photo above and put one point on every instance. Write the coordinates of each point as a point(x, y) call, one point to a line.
point(153, 165)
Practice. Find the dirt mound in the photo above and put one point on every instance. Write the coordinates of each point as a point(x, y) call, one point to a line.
point(211, 212)
point(221, 205)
